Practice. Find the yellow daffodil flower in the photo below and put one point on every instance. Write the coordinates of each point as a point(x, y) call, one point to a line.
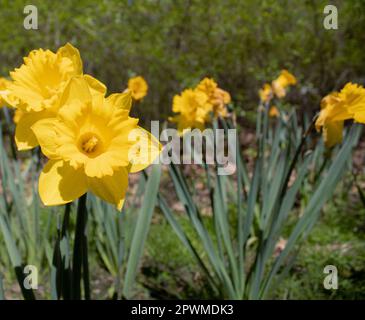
point(280, 84)
point(266, 93)
point(89, 145)
point(217, 97)
point(337, 107)
point(193, 108)
point(139, 87)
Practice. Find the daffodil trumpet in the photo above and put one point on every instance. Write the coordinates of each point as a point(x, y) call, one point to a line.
point(337, 107)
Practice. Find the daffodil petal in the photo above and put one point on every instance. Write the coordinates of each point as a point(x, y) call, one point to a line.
point(76, 89)
point(95, 86)
point(121, 100)
point(145, 151)
point(111, 188)
point(46, 135)
point(59, 183)
point(69, 51)
point(98, 167)
point(332, 133)
point(338, 112)
point(24, 137)
point(7, 99)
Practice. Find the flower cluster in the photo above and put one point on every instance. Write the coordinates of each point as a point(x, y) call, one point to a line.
point(89, 138)
point(337, 107)
point(278, 87)
point(195, 107)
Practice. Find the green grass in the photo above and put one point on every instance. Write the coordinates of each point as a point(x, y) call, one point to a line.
point(168, 267)
point(337, 239)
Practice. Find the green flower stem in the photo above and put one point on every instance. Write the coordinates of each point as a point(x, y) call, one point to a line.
point(296, 156)
point(62, 270)
point(80, 256)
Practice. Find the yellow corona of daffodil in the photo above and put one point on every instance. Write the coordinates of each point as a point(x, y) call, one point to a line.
point(353, 98)
point(193, 108)
point(219, 101)
point(139, 87)
point(331, 124)
point(37, 87)
point(337, 107)
point(217, 97)
point(90, 146)
point(266, 93)
point(280, 84)
point(208, 86)
point(43, 76)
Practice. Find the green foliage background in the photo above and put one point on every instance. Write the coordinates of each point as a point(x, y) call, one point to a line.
point(241, 43)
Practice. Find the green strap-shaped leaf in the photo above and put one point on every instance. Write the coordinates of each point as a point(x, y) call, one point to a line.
point(323, 192)
point(142, 227)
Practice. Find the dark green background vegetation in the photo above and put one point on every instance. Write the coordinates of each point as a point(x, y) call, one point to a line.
point(173, 44)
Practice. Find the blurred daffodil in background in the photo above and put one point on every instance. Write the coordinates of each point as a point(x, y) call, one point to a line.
point(139, 87)
point(266, 93)
point(193, 108)
point(280, 84)
point(217, 97)
point(196, 107)
point(278, 87)
point(337, 107)
point(88, 145)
